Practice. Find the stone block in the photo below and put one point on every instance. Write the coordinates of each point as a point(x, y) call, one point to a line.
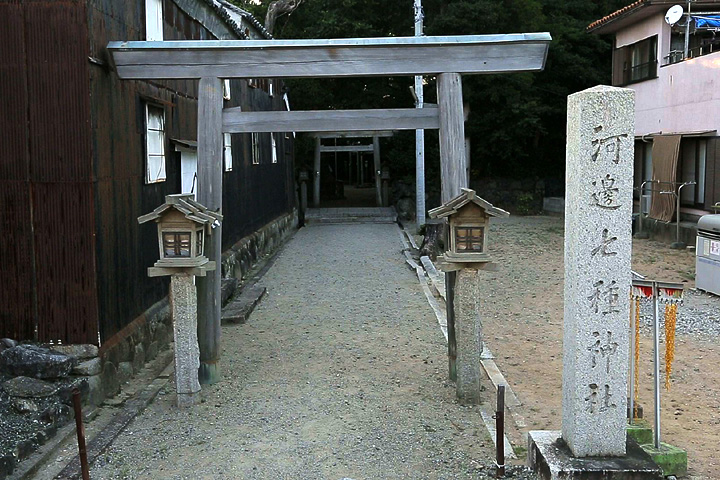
point(598, 242)
point(550, 457)
point(138, 358)
point(152, 351)
point(672, 460)
point(96, 392)
point(124, 372)
point(110, 383)
point(80, 351)
point(26, 387)
point(641, 432)
point(88, 367)
point(34, 361)
point(240, 308)
point(24, 405)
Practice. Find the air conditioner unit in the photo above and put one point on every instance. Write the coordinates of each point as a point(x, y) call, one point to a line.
point(645, 202)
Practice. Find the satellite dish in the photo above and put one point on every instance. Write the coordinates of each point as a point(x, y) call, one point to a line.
point(674, 14)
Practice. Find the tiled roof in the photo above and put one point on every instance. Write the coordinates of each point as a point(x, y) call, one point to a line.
point(616, 14)
point(238, 14)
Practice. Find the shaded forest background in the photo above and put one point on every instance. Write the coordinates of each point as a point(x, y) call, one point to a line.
point(517, 121)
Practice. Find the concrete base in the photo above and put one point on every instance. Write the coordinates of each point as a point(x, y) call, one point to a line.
point(551, 459)
point(640, 431)
point(209, 373)
point(671, 459)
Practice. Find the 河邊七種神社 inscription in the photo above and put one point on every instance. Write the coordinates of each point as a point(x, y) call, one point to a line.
point(598, 217)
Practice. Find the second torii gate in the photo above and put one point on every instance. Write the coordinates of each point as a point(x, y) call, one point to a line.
point(374, 147)
point(213, 60)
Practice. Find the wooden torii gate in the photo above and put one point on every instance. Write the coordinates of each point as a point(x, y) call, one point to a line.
point(374, 147)
point(213, 60)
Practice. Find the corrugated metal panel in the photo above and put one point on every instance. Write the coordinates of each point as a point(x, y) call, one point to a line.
point(46, 207)
point(17, 318)
point(58, 90)
point(13, 108)
point(65, 262)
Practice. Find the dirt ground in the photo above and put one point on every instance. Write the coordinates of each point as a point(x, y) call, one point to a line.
point(522, 324)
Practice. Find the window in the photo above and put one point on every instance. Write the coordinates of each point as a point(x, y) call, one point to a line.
point(226, 89)
point(692, 168)
point(255, 148)
point(274, 148)
point(153, 20)
point(154, 144)
point(227, 149)
point(469, 239)
point(635, 63)
point(271, 88)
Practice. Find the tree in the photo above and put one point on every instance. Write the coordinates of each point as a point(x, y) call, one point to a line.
point(517, 121)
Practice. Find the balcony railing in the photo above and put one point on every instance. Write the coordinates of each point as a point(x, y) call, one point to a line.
point(706, 47)
point(640, 72)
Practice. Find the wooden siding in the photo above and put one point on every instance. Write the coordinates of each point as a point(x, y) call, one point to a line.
point(49, 276)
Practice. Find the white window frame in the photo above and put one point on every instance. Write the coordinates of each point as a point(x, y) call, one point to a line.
point(274, 148)
point(154, 160)
point(226, 89)
point(255, 148)
point(154, 20)
point(227, 151)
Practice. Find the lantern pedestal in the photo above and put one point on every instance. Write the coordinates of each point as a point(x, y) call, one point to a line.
point(468, 336)
point(183, 308)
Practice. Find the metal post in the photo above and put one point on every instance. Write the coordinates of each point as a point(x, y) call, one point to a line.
point(316, 174)
point(632, 360)
point(500, 432)
point(419, 134)
point(687, 31)
point(80, 429)
point(378, 173)
point(656, 363)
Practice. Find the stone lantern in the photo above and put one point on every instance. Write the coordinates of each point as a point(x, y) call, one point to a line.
point(468, 218)
point(468, 223)
point(183, 225)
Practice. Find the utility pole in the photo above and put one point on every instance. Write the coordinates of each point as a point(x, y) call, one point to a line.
point(419, 134)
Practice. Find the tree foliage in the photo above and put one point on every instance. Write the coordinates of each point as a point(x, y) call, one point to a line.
point(517, 121)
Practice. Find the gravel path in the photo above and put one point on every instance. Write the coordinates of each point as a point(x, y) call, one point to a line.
point(340, 372)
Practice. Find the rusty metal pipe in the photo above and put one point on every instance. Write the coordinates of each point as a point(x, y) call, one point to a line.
point(80, 428)
point(500, 432)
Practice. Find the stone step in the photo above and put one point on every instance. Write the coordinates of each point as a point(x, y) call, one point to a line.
point(240, 308)
point(351, 215)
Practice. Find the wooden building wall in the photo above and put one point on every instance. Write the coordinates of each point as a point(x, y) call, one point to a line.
point(47, 249)
point(73, 257)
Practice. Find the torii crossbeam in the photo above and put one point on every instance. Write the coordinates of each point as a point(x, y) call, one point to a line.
point(210, 61)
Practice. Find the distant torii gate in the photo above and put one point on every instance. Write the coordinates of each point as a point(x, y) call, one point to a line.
point(214, 60)
point(374, 147)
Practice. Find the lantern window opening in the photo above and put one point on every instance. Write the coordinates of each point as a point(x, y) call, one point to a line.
point(199, 242)
point(177, 244)
point(469, 238)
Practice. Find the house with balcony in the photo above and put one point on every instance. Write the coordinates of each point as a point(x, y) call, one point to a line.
point(674, 67)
